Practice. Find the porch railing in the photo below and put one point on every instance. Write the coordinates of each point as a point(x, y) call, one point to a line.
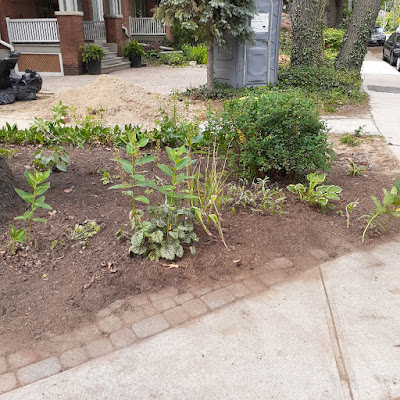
point(94, 30)
point(146, 27)
point(41, 30)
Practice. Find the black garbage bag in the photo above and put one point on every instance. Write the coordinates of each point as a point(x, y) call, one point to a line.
point(15, 79)
point(23, 92)
point(6, 65)
point(7, 96)
point(33, 79)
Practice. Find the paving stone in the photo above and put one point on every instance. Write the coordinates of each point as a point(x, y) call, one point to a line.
point(74, 357)
point(21, 358)
point(7, 382)
point(164, 304)
point(99, 347)
point(218, 298)
point(104, 312)
point(39, 370)
point(195, 307)
point(183, 298)
point(87, 334)
point(64, 342)
point(255, 285)
point(279, 263)
point(241, 276)
point(239, 290)
point(116, 305)
point(273, 278)
point(122, 338)
point(201, 291)
point(3, 365)
point(176, 316)
point(320, 254)
point(150, 326)
point(169, 291)
point(110, 324)
point(129, 317)
point(149, 310)
point(137, 300)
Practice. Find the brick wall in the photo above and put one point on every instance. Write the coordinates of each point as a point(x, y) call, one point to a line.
point(115, 33)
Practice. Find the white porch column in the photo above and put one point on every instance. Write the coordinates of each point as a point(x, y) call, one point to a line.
point(70, 5)
point(114, 8)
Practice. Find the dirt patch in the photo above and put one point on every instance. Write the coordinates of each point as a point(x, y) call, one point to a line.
point(58, 286)
point(118, 101)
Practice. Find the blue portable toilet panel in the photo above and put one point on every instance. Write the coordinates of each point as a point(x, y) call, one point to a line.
point(242, 65)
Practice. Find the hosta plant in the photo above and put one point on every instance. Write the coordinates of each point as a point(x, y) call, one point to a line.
point(314, 193)
point(390, 208)
point(164, 234)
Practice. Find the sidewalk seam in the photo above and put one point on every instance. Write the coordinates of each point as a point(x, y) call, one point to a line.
point(337, 349)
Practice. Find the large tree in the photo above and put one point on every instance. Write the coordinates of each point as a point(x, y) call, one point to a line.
point(307, 32)
point(357, 36)
point(8, 197)
point(217, 17)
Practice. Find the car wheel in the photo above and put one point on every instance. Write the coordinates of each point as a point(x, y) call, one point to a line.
point(392, 61)
point(398, 64)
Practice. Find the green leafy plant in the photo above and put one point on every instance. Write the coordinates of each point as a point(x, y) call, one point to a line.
point(7, 153)
point(132, 49)
point(91, 52)
point(133, 150)
point(195, 53)
point(389, 208)
point(106, 177)
point(350, 140)
point(82, 233)
point(36, 181)
point(315, 193)
point(53, 158)
point(359, 131)
point(163, 235)
point(271, 134)
point(354, 170)
point(17, 236)
point(174, 59)
point(349, 209)
point(259, 196)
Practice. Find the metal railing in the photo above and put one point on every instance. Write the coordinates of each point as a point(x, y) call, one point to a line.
point(94, 30)
point(41, 30)
point(146, 27)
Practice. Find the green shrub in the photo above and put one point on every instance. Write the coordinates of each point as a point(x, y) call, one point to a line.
point(272, 134)
point(195, 53)
point(91, 52)
point(172, 58)
point(221, 91)
point(184, 36)
point(333, 38)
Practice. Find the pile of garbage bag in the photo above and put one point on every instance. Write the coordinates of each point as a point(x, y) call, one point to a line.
point(14, 87)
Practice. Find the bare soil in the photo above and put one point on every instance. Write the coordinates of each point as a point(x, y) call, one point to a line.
point(56, 286)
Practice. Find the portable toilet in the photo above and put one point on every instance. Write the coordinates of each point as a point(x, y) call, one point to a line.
point(241, 65)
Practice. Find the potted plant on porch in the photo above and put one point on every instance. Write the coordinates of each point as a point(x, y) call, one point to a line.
point(133, 51)
point(92, 55)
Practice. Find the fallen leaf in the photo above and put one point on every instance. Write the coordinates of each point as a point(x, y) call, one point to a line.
point(169, 266)
point(111, 266)
point(69, 190)
point(51, 213)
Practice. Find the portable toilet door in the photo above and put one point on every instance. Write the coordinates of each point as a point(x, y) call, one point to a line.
point(242, 65)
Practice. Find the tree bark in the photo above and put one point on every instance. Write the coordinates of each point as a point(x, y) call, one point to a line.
point(307, 32)
point(354, 48)
point(334, 13)
point(9, 200)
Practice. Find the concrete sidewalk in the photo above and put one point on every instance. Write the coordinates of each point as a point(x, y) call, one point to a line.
point(329, 333)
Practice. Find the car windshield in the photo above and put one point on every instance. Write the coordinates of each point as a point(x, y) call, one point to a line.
point(378, 29)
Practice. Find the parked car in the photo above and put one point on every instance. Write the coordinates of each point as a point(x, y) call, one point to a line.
point(378, 37)
point(391, 49)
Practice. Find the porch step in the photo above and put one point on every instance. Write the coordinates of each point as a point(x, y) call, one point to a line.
point(115, 67)
point(112, 60)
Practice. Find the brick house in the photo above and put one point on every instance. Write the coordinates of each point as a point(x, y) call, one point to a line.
point(49, 33)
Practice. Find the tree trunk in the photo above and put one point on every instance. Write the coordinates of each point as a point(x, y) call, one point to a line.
point(354, 48)
point(307, 32)
point(334, 13)
point(9, 200)
point(210, 67)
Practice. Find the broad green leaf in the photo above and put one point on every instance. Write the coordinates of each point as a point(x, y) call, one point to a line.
point(42, 188)
point(120, 186)
point(143, 142)
point(145, 160)
point(179, 251)
point(40, 202)
point(167, 251)
point(142, 199)
point(138, 177)
point(40, 220)
point(127, 166)
point(166, 169)
point(28, 197)
point(181, 177)
point(27, 215)
point(42, 176)
point(30, 178)
point(185, 196)
point(156, 236)
point(179, 151)
point(137, 239)
point(171, 153)
point(192, 250)
point(376, 201)
point(130, 149)
point(183, 163)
